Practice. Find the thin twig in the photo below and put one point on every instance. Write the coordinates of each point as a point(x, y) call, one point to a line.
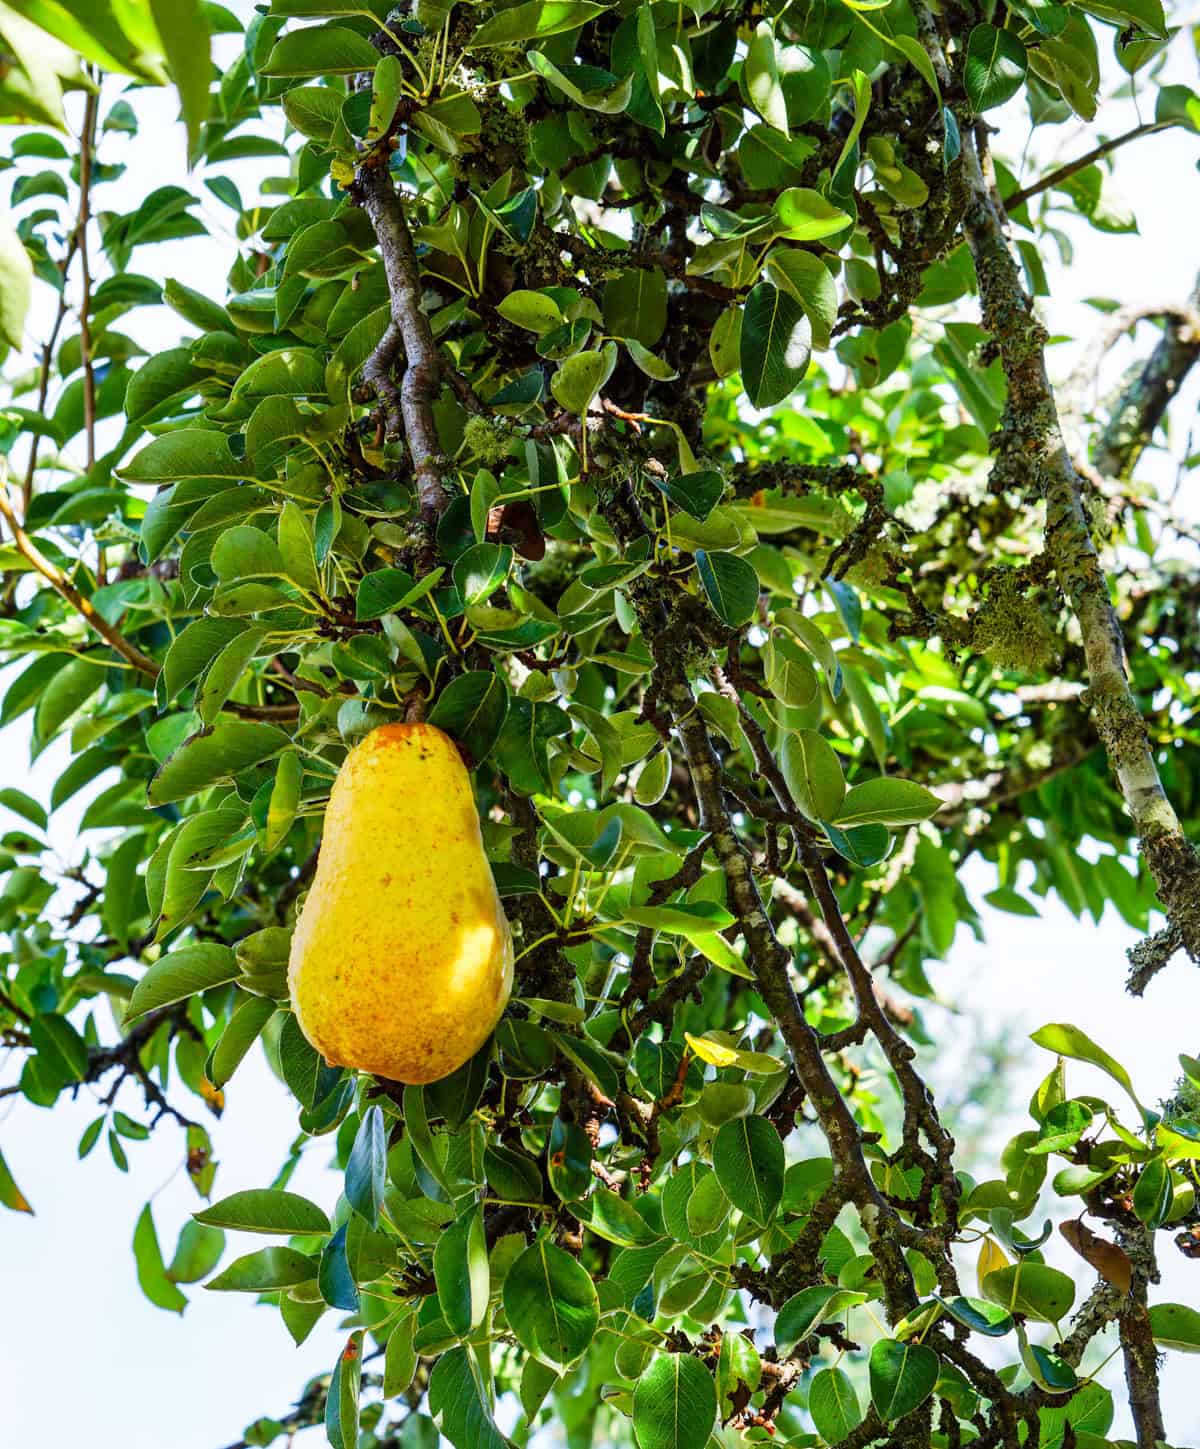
point(62, 585)
point(1064, 173)
point(55, 577)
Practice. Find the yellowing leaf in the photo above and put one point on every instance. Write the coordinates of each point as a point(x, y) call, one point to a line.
point(991, 1259)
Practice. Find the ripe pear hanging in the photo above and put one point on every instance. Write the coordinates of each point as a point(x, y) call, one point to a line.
point(402, 960)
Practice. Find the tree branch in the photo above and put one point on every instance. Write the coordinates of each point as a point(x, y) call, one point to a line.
point(1064, 173)
point(769, 959)
point(1033, 444)
point(128, 651)
point(410, 405)
point(55, 577)
point(1143, 402)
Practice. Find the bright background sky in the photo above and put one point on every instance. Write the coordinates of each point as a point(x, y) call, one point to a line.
point(143, 1377)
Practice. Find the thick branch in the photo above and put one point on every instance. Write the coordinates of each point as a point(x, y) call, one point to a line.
point(1141, 405)
point(409, 331)
point(1034, 441)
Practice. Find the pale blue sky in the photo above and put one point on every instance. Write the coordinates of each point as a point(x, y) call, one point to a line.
point(140, 1378)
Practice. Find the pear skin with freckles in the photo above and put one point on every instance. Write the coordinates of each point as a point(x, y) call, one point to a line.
point(402, 960)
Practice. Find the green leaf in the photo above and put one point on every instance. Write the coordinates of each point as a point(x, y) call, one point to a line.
point(979, 1316)
point(776, 344)
point(862, 845)
point(696, 493)
point(651, 365)
point(16, 285)
point(578, 379)
point(805, 215)
point(164, 382)
point(833, 1404)
point(587, 85)
point(308, 1077)
point(808, 1308)
point(386, 90)
point(11, 1195)
point(817, 643)
point(731, 585)
point(25, 806)
point(341, 1404)
point(551, 1304)
point(197, 1253)
point(635, 305)
point(285, 799)
point(813, 772)
point(1004, 898)
point(225, 673)
point(191, 651)
point(366, 1166)
point(460, 1266)
point(245, 1027)
point(61, 1047)
point(533, 20)
point(182, 973)
point(747, 1156)
point(246, 552)
point(320, 51)
point(297, 548)
point(471, 709)
point(216, 755)
point(674, 1403)
point(761, 81)
point(400, 1357)
point(811, 283)
point(995, 66)
point(684, 918)
point(313, 110)
point(381, 592)
point(609, 1216)
point(459, 1404)
point(481, 570)
point(151, 1271)
point(334, 1276)
point(1069, 1041)
point(1046, 1369)
point(1152, 1192)
point(183, 29)
point(917, 56)
point(1144, 16)
point(187, 453)
point(265, 1210)
point(902, 1377)
point(886, 801)
point(789, 673)
point(417, 1124)
point(532, 310)
point(1174, 1325)
point(289, 371)
point(1031, 1288)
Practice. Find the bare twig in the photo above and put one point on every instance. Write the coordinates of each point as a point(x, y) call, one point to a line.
point(1071, 168)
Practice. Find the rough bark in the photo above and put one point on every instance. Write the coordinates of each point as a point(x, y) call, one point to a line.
point(408, 406)
point(1140, 407)
point(1035, 452)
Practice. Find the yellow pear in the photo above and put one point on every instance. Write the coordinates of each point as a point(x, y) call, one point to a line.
point(402, 960)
